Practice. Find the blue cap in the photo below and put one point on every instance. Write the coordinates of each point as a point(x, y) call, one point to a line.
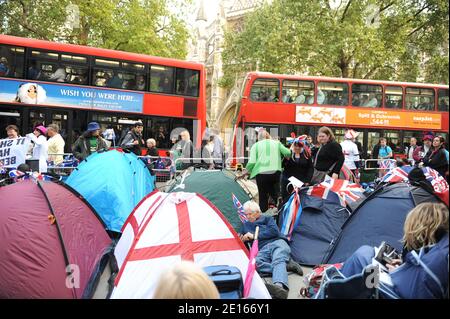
point(93, 126)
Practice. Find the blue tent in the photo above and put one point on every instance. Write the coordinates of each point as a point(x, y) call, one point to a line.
point(320, 222)
point(380, 217)
point(113, 183)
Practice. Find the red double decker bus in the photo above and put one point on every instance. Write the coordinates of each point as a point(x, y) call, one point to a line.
point(285, 104)
point(71, 85)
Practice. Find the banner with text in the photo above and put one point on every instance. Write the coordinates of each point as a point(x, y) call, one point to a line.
point(370, 118)
point(70, 96)
point(13, 151)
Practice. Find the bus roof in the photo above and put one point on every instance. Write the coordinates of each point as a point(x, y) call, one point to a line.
point(87, 50)
point(325, 78)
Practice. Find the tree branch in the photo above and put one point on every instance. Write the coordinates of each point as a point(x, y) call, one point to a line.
point(23, 22)
point(371, 72)
point(119, 44)
point(386, 7)
point(417, 29)
point(345, 10)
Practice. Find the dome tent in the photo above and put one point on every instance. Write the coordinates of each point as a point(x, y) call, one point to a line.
point(166, 228)
point(113, 183)
point(380, 217)
point(218, 186)
point(44, 227)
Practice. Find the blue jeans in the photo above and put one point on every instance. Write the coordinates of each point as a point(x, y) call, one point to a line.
point(272, 258)
point(358, 261)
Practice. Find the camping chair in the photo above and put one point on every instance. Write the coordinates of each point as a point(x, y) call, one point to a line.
point(336, 286)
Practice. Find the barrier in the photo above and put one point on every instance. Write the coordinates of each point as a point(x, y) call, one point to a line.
point(66, 167)
point(393, 163)
point(238, 160)
point(161, 166)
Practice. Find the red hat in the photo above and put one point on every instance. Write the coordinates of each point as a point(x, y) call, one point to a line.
point(428, 137)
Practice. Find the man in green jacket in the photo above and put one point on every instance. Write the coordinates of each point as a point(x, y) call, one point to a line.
point(89, 142)
point(265, 165)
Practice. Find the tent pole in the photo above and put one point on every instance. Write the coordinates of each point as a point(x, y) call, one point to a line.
point(58, 229)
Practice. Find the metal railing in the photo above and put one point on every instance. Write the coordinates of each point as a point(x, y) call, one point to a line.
point(161, 174)
point(392, 164)
point(62, 168)
point(239, 160)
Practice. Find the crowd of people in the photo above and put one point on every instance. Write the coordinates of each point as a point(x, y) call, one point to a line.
point(271, 163)
point(48, 146)
point(426, 230)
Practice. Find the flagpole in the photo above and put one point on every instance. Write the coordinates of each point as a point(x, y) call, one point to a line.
point(251, 264)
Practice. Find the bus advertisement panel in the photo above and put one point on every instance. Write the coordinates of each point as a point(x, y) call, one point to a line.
point(27, 92)
point(364, 117)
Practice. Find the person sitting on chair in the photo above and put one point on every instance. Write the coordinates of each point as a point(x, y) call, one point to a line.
point(274, 251)
point(426, 239)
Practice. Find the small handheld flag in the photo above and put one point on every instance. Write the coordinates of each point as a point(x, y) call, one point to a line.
point(240, 209)
point(251, 264)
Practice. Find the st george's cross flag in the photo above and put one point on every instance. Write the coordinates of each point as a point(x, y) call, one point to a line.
point(165, 229)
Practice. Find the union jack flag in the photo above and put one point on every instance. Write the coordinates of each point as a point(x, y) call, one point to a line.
point(386, 164)
point(324, 193)
point(396, 175)
point(438, 182)
point(240, 209)
point(346, 191)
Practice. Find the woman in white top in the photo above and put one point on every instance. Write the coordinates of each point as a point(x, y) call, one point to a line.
point(350, 150)
point(40, 149)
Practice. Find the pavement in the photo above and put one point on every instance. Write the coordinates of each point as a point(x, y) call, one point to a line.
point(295, 283)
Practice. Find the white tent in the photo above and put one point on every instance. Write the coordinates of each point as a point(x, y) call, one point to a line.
point(166, 228)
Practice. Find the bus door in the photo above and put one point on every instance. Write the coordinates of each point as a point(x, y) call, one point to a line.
point(370, 139)
point(251, 136)
point(61, 118)
point(36, 117)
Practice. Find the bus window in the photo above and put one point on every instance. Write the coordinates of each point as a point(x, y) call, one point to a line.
point(366, 95)
point(394, 97)
point(339, 134)
point(443, 100)
point(161, 79)
point(119, 75)
point(420, 99)
point(76, 75)
point(393, 140)
point(75, 68)
point(187, 82)
point(332, 93)
point(46, 66)
point(299, 92)
point(135, 77)
point(11, 61)
point(47, 70)
point(265, 90)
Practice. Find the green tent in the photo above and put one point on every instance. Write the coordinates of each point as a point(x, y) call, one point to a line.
point(217, 186)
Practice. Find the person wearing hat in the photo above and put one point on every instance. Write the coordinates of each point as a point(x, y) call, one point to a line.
point(89, 142)
point(350, 150)
point(299, 165)
point(420, 152)
point(40, 149)
point(133, 141)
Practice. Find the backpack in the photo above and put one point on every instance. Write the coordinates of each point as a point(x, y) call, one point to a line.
point(122, 136)
point(314, 280)
point(228, 280)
